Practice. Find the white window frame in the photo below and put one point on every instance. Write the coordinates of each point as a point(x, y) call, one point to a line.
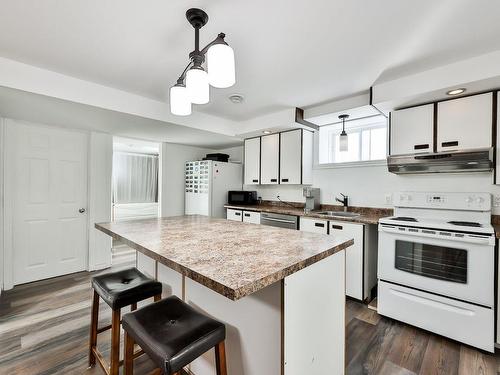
point(351, 164)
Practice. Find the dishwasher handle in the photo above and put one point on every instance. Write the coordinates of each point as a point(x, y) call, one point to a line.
point(278, 220)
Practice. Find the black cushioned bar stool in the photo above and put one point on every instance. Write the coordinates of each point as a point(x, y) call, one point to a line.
point(173, 334)
point(118, 289)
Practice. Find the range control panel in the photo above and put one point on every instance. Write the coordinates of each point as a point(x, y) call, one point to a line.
point(445, 201)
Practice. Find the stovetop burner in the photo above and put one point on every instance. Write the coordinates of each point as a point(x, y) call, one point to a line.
point(404, 218)
point(465, 224)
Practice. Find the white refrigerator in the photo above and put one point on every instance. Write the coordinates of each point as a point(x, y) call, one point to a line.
point(206, 185)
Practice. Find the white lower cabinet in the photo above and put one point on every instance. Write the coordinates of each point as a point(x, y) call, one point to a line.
point(308, 224)
point(242, 215)
point(251, 217)
point(354, 256)
point(235, 215)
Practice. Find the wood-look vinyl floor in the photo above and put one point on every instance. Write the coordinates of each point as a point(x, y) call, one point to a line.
point(381, 346)
point(44, 329)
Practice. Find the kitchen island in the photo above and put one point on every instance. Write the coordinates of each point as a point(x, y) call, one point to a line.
point(280, 292)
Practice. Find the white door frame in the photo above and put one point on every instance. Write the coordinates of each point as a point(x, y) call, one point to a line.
point(8, 279)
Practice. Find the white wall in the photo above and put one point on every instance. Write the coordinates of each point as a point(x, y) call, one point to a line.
point(235, 153)
point(100, 168)
point(368, 186)
point(173, 158)
point(1, 203)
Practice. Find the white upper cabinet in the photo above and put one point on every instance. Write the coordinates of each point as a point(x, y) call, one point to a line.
point(465, 123)
point(282, 158)
point(412, 130)
point(252, 161)
point(270, 149)
point(296, 157)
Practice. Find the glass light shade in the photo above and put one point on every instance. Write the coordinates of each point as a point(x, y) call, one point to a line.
point(197, 86)
point(220, 66)
point(343, 142)
point(180, 104)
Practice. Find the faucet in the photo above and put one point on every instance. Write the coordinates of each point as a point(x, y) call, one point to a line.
point(344, 201)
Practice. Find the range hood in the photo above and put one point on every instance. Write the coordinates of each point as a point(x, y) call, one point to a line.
point(480, 160)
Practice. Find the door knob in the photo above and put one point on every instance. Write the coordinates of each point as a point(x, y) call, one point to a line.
point(81, 210)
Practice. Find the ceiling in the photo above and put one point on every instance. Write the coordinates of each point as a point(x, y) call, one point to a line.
point(288, 54)
point(36, 108)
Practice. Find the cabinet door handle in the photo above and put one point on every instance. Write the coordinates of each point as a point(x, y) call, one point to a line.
point(255, 180)
point(421, 147)
point(449, 144)
point(322, 225)
point(339, 227)
point(237, 213)
point(284, 180)
point(274, 180)
point(247, 215)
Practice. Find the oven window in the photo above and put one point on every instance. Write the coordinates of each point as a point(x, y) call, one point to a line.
point(437, 262)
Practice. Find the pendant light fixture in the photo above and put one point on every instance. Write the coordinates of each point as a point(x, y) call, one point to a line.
point(343, 139)
point(193, 85)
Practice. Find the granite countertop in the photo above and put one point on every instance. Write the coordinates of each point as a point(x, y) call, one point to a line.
point(367, 215)
point(232, 258)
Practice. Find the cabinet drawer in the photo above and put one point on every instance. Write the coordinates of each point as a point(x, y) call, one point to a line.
point(251, 217)
point(235, 215)
point(313, 225)
point(471, 324)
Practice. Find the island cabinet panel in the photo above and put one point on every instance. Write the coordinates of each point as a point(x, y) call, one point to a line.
point(252, 161)
point(465, 123)
point(171, 280)
point(253, 330)
point(314, 318)
point(412, 130)
point(269, 172)
point(146, 265)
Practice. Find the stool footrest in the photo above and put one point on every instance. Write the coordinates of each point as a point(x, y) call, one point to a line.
point(102, 329)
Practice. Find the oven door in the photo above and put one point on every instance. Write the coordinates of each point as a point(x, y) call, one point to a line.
point(461, 269)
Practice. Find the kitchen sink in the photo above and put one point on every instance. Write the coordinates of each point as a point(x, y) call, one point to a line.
point(338, 214)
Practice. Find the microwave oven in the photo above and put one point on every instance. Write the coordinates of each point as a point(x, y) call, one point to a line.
point(241, 197)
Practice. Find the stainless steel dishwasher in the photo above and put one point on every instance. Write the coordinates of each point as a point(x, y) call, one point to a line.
point(278, 220)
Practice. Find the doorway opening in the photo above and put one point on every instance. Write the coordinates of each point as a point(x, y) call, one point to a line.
point(135, 188)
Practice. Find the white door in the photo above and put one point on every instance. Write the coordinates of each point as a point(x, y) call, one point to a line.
point(252, 161)
point(270, 145)
point(47, 186)
point(291, 157)
point(465, 123)
point(412, 130)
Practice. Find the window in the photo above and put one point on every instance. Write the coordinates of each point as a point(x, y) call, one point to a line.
point(367, 140)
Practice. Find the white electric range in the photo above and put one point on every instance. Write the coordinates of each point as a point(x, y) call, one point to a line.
point(436, 264)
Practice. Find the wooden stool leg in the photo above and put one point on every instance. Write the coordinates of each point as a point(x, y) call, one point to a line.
point(115, 343)
point(220, 358)
point(129, 355)
point(94, 320)
point(157, 297)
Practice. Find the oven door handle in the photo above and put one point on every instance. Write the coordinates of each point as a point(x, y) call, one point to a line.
point(432, 303)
